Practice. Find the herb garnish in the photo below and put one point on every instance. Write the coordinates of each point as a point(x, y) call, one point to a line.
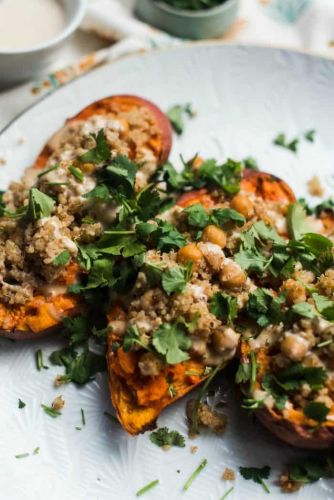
point(76, 172)
point(311, 469)
point(21, 404)
point(316, 411)
point(83, 418)
point(39, 360)
point(40, 205)
point(172, 342)
point(227, 493)
point(22, 455)
point(54, 167)
point(62, 259)
point(309, 135)
point(193, 4)
point(194, 475)
point(258, 475)
point(51, 411)
point(280, 140)
point(146, 488)
point(176, 114)
point(175, 279)
point(224, 306)
point(165, 437)
point(101, 153)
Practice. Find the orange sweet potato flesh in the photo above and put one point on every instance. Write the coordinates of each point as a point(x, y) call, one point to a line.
point(42, 314)
point(290, 426)
point(160, 143)
point(139, 400)
point(267, 186)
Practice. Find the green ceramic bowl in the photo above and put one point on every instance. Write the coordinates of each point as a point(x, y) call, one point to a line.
point(195, 25)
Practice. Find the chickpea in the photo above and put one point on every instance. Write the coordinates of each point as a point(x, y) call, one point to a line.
point(243, 205)
point(226, 338)
point(198, 346)
point(215, 235)
point(149, 365)
point(294, 347)
point(295, 291)
point(189, 253)
point(231, 275)
point(118, 326)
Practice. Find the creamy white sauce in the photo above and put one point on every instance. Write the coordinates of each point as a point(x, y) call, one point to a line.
point(27, 23)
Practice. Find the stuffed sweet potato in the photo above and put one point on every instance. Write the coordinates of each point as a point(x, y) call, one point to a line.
point(133, 126)
point(176, 324)
point(67, 200)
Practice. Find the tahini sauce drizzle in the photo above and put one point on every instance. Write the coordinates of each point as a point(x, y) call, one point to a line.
point(28, 23)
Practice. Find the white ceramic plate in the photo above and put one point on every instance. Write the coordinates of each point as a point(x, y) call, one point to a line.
point(244, 96)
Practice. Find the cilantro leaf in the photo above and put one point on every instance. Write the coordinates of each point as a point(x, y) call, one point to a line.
point(309, 135)
point(256, 474)
point(310, 469)
point(197, 216)
point(296, 220)
point(121, 175)
point(83, 367)
point(304, 309)
point(296, 375)
point(176, 114)
point(40, 205)
point(222, 216)
point(226, 176)
point(77, 173)
point(21, 404)
point(316, 411)
point(132, 337)
point(78, 329)
point(62, 258)
point(243, 373)
point(176, 278)
point(165, 437)
point(167, 237)
point(324, 305)
point(251, 163)
point(224, 306)
point(265, 308)
point(101, 152)
point(171, 341)
point(100, 192)
point(281, 141)
point(148, 203)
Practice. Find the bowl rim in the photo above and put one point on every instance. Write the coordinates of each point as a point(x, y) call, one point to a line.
point(218, 9)
point(70, 27)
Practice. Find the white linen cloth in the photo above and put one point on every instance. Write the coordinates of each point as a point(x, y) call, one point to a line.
point(295, 24)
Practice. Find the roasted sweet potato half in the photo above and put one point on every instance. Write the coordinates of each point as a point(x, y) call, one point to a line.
point(141, 125)
point(295, 403)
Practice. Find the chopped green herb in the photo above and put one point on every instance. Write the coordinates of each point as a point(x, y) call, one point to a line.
point(22, 455)
point(195, 474)
point(76, 172)
point(316, 411)
point(175, 279)
point(243, 374)
point(101, 153)
point(281, 140)
point(324, 305)
point(54, 167)
point(111, 417)
point(176, 116)
point(311, 469)
point(257, 475)
point(165, 437)
point(227, 493)
point(251, 163)
point(224, 306)
point(40, 205)
point(132, 337)
point(309, 135)
point(39, 360)
point(51, 411)
point(36, 451)
point(172, 342)
point(83, 419)
point(21, 404)
point(146, 488)
point(62, 259)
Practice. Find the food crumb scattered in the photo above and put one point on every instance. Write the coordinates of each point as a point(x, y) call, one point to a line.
point(207, 417)
point(2, 161)
point(21, 141)
point(228, 474)
point(193, 449)
point(314, 187)
point(58, 403)
point(287, 485)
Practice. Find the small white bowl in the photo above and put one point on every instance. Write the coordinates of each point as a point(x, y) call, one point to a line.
point(17, 65)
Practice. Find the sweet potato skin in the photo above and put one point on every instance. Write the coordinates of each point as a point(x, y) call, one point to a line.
point(161, 145)
point(267, 186)
point(296, 434)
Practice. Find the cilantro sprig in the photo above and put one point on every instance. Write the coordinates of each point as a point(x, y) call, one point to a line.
point(258, 475)
point(164, 437)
